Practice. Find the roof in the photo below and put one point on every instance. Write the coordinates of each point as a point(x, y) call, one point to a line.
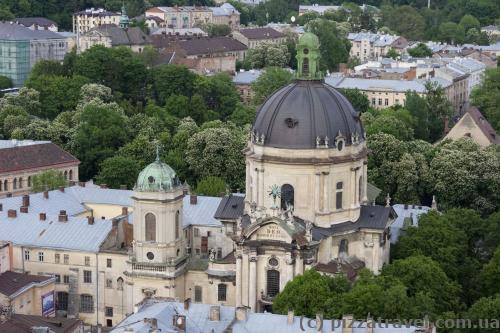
point(17, 143)
point(231, 207)
point(210, 45)
point(24, 323)
point(226, 9)
point(348, 266)
point(261, 33)
point(12, 282)
point(157, 177)
point(12, 31)
point(298, 114)
point(202, 213)
point(34, 156)
point(317, 8)
point(483, 124)
point(96, 12)
point(177, 9)
point(408, 215)
point(40, 21)
point(247, 77)
point(370, 217)
point(381, 85)
point(119, 36)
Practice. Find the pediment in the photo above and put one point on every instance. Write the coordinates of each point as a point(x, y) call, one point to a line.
point(272, 229)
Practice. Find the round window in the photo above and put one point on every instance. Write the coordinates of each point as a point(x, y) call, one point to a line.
point(340, 145)
point(150, 255)
point(151, 179)
point(273, 262)
point(306, 51)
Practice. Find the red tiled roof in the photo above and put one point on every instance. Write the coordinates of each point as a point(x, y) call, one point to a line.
point(34, 156)
point(10, 282)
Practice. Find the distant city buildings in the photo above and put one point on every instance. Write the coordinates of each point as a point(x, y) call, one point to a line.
point(37, 23)
point(253, 37)
point(370, 46)
point(88, 19)
point(110, 35)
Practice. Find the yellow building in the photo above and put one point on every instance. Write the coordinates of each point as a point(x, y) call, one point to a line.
point(473, 125)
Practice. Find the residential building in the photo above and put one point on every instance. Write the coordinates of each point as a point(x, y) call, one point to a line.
point(472, 68)
point(253, 37)
point(5, 256)
point(36, 23)
point(27, 294)
point(18, 323)
point(473, 125)
point(369, 46)
point(182, 16)
point(179, 33)
point(21, 48)
point(408, 216)
point(110, 35)
point(21, 160)
point(319, 9)
point(493, 31)
point(208, 55)
point(226, 14)
point(459, 93)
point(243, 81)
point(91, 18)
point(168, 315)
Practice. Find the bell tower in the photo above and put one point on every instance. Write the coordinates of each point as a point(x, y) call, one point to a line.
point(308, 55)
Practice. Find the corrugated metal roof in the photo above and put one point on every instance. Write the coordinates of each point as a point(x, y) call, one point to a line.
point(247, 77)
point(405, 212)
point(202, 213)
point(231, 207)
point(12, 31)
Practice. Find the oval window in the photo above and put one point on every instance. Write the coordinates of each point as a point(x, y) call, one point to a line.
point(273, 262)
point(151, 179)
point(306, 51)
point(340, 145)
point(150, 255)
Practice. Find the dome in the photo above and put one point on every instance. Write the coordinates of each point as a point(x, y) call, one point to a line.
point(309, 39)
point(157, 177)
point(307, 114)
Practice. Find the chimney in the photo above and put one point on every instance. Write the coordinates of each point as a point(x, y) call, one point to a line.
point(215, 313)
point(180, 322)
point(193, 199)
point(125, 211)
point(26, 200)
point(185, 191)
point(63, 217)
point(123, 187)
point(46, 194)
point(90, 220)
point(290, 318)
point(114, 222)
point(241, 313)
point(152, 322)
point(9, 195)
point(23, 209)
point(11, 213)
point(319, 322)
point(61, 188)
point(370, 324)
point(103, 186)
point(347, 323)
point(43, 216)
point(187, 302)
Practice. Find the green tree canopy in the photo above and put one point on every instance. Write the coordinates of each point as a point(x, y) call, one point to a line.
point(487, 96)
point(211, 186)
point(270, 80)
point(48, 180)
point(420, 51)
point(118, 170)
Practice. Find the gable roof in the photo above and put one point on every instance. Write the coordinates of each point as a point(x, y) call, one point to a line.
point(33, 156)
point(18, 323)
point(484, 125)
point(40, 21)
point(119, 36)
point(12, 282)
point(261, 33)
point(210, 45)
point(12, 31)
point(231, 207)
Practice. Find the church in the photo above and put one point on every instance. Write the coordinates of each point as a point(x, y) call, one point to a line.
point(305, 205)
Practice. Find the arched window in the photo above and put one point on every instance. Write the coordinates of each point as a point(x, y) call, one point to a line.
point(6, 185)
point(273, 282)
point(29, 181)
point(1, 186)
point(305, 66)
point(14, 184)
point(338, 195)
point(343, 248)
point(177, 225)
point(150, 225)
point(360, 189)
point(119, 283)
point(221, 292)
point(20, 182)
point(66, 174)
point(70, 174)
point(287, 196)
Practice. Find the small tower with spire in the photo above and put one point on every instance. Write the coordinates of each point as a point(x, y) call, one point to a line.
point(124, 20)
point(308, 55)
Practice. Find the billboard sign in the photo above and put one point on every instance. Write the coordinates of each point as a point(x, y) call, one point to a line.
point(48, 304)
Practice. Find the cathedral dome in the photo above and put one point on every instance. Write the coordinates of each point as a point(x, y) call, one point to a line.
point(157, 177)
point(305, 114)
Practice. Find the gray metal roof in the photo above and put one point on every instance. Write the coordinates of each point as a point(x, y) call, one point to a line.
point(119, 36)
point(12, 31)
point(231, 207)
point(381, 85)
point(296, 115)
point(410, 213)
point(247, 77)
point(202, 213)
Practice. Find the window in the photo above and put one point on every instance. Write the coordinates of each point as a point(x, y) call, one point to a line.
point(109, 323)
point(109, 263)
point(380, 101)
point(150, 227)
point(57, 258)
point(360, 189)
point(29, 181)
point(197, 251)
point(58, 278)
point(5, 185)
point(338, 197)
point(177, 225)
point(374, 101)
point(26, 254)
point(305, 66)
point(198, 294)
point(20, 183)
point(86, 304)
point(87, 276)
point(70, 174)
point(287, 196)
point(209, 233)
point(119, 283)
point(273, 282)
point(221, 292)
point(66, 259)
point(386, 101)
point(66, 279)
point(343, 248)
point(66, 175)
point(87, 261)
point(219, 253)
point(40, 256)
point(397, 101)
point(196, 232)
point(14, 183)
point(109, 283)
point(62, 301)
point(109, 311)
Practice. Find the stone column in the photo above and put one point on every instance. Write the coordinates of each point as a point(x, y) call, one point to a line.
point(256, 187)
point(252, 283)
point(261, 189)
point(247, 182)
point(289, 268)
point(299, 264)
point(318, 192)
point(129, 297)
point(365, 182)
point(326, 193)
point(238, 280)
point(352, 189)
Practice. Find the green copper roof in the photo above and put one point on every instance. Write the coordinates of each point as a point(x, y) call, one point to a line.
point(308, 55)
point(124, 19)
point(157, 177)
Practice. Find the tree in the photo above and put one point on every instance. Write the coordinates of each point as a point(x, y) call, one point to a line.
point(420, 51)
point(438, 109)
point(5, 82)
point(395, 121)
point(358, 99)
point(215, 30)
point(406, 21)
point(268, 54)
point(243, 115)
point(417, 107)
point(47, 67)
point(451, 32)
point(48, 180)
point(490, 275)
point(485, 310)
point(334, 49)
point(211, 186)
point(487, 96)
point(219, 95)
point(118, 170)
point(269, 81)
point(392, 53)
point(172, 80)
